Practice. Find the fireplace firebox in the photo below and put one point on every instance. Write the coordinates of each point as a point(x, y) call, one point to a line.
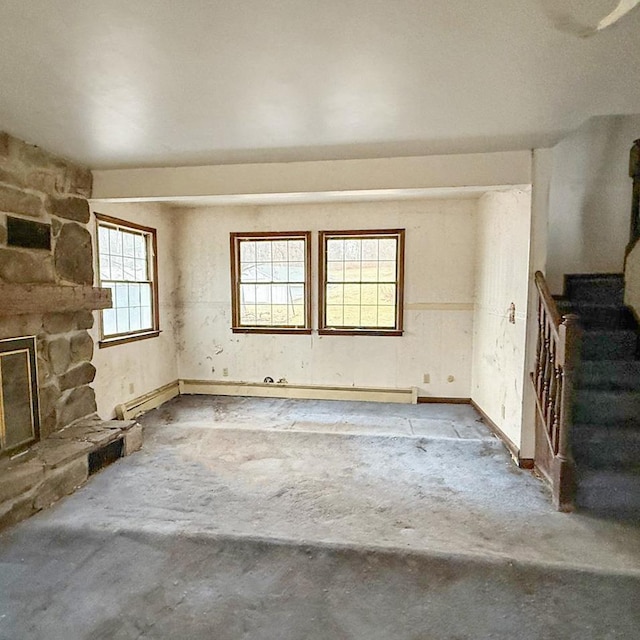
point(19, 410)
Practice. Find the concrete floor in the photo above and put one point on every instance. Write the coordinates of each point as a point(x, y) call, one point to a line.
point(278, 520)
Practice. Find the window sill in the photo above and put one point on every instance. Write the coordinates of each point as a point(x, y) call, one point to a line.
point(272, 330)
point(359, 332)
point(112, 342)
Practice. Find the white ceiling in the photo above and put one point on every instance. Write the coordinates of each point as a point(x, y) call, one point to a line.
point(121, 83)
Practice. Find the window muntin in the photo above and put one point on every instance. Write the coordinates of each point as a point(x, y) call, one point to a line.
point(361, 283)
point(271, 282)
point(127, 266)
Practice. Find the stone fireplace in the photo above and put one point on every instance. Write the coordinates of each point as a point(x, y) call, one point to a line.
point(46, 302)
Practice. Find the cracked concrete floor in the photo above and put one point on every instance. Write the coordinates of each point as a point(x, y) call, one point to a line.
point(279, 519)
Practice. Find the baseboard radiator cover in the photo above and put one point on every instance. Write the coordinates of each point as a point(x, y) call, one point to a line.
point(298, 391)
point(133, 408)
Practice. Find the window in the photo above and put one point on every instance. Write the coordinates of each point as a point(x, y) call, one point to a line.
point(127, 265)
point(361, 282)
point(270, 282)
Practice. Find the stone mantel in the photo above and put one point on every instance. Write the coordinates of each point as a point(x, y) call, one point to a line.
point(21, 299)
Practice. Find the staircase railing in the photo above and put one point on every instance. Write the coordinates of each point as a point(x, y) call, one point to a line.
point(558, 352)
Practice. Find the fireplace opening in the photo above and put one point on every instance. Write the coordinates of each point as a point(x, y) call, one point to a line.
point(19, 412)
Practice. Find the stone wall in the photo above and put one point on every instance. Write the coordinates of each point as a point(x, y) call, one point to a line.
point(36, 186)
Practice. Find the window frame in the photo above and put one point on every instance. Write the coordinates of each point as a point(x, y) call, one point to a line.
point(235, 239)
point(362, 234)
point(152, 267)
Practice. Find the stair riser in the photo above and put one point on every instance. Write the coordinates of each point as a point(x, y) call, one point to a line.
point(596, 289)
point(613, 453)
point(617, 346)
point(604, 493)
point(596, 407)
point(610, 375)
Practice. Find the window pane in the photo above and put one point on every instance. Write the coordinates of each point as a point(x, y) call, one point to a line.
point(117, 271)
point(249, 273)
point(369, 294)
point(387, 294)
point(263, 293)
point(351, 316)
point(264, 272)
point(387, 316)
point(128, 245)
point(370, 271)
point(335, 271)
point(335, 250)
point(279, 313)
point(134, 295)
point(264, 314)
point(135, 319)
point(296, 294)
point(105, 266)
point(335, 294)
point(334, 315)
point(103, 239)
point(248, 293)
point(140, 247)
point(352, 294)
point(115, 242)
point(387, 271)
point(352, 249)
point(279, 294)
point(387, 248)
point(296, 250)
point(247, 251)
point(352, 272)
point(369, 316)
point(296, 315)
point(263, 251)
point(109, 325)
point(122, 296)
point(145, 318)
point(370, 249)
point(129, 268)
point(280, 271)
point(296, 272)
point(141, 269)
point(122, 317)
point(145, 295)
point(279, 251)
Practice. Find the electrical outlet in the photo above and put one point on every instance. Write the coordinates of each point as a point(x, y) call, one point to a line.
point(132, 387)
point(426, 378)
point(225, 373)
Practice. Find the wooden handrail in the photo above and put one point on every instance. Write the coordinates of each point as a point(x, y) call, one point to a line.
point(548, 300)
point(634, 172)
point(557, 355)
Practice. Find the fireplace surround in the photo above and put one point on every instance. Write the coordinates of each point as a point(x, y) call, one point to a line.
point(48, 422)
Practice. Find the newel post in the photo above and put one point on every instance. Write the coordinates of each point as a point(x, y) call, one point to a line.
point(570, 334)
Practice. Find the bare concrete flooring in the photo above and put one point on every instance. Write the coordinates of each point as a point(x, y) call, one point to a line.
point(296, 520)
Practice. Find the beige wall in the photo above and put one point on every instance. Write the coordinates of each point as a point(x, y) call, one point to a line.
point(502, 264)
point(440, 260)
point(590, 199)
point(130, 370)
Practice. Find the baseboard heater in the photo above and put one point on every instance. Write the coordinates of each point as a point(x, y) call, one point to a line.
point(133, 408)
point(298, 391)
